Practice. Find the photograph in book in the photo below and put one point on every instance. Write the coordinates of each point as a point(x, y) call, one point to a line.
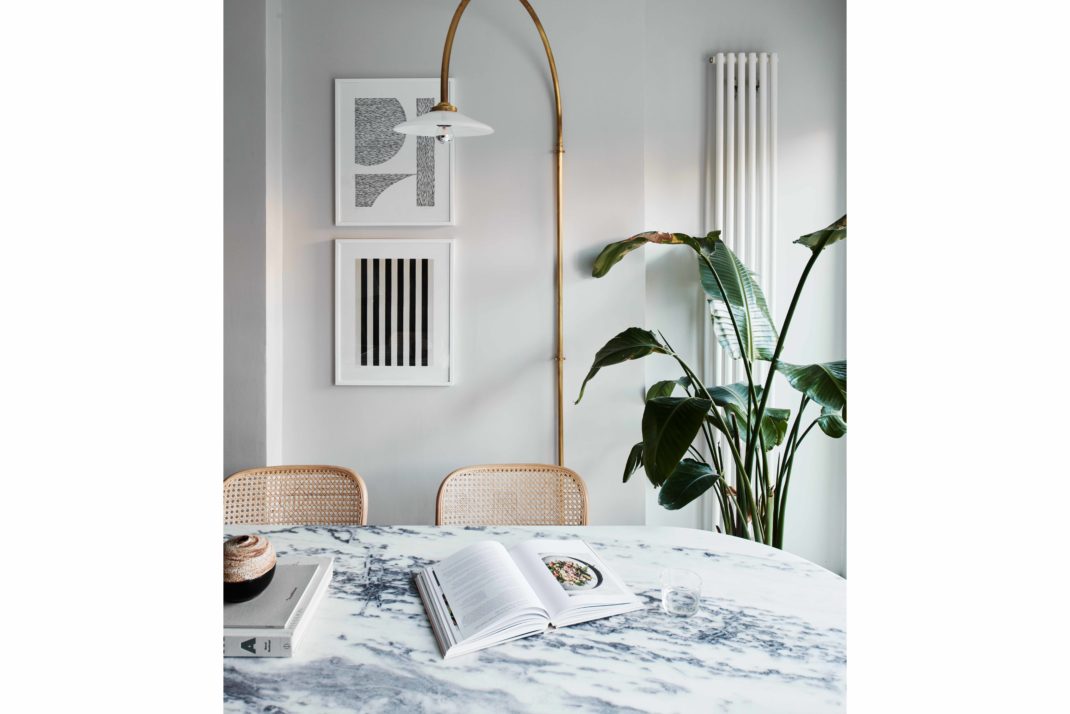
point(572, 574)
point(577, 576)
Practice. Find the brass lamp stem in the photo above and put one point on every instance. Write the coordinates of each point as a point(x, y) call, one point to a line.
point(559, 158)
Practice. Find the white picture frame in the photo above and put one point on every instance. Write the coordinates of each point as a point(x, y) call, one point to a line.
point(376, 280)
point(381, 177)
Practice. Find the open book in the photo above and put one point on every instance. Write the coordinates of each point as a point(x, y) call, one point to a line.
point(485, 594)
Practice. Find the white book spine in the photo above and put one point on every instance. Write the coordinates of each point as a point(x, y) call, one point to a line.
point(258, 643)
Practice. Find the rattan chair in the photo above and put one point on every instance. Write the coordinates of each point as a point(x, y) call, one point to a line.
point(295, 495)
point(512, 495)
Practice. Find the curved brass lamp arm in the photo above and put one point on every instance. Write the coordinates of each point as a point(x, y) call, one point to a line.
point(559, 151)
point(447, 50)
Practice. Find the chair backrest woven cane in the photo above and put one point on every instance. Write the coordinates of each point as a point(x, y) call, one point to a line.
point(512, 494)
point(295, 495)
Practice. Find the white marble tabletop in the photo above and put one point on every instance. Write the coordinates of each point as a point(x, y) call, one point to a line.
point(769, 635)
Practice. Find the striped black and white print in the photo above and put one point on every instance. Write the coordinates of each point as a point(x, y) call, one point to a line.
point(395, 318)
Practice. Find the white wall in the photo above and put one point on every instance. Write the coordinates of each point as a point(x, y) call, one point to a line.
point(244, 408)
point(809, 37)
point(403, 441)
point(632, 79)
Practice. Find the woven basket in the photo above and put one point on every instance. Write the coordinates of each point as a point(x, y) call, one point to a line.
point(512, 495)
point(295, 495)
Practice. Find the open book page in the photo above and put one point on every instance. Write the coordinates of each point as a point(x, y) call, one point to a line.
point(450, 641)
point(571, 580)
point(485, 590)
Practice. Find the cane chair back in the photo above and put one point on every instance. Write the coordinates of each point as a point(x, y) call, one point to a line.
point(512, 494)
point(295, 495)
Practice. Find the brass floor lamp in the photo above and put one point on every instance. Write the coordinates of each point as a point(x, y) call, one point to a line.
point(444, 123)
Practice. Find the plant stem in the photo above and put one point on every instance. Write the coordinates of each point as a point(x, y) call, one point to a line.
point(789, 459)
point(760, 478)
point(746, 488)
point(767, 495)
point(803, 402)
point(715, 453)
point(812, 425)
point(780, 532)
point(741, 519)
point(722, 505)
point(783, 335)
point(787, 480)
point(776, 505)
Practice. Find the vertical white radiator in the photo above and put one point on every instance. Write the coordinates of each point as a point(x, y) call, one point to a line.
point(741, 180)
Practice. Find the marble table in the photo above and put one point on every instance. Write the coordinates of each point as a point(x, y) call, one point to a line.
point(769, 636)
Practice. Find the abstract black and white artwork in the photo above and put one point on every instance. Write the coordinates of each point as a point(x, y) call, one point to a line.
point(393, 311)
point(382, 177)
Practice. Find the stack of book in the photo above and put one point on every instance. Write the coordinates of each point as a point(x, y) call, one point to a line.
point(273, 623)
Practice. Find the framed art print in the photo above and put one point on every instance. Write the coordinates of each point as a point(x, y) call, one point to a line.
point(381, 177)
point(393, 311)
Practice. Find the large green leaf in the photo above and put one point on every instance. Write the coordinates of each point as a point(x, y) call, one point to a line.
point(687, 482)
point(666, 387)
point(733, 398)
point(774, 426)
point(832, 423)
point(612, 253)
point(741, 296)
point(704, 245)
point(819, 240)
point(670, 424)
point(635, 460)
point(825, 383)
point(633, 343)
point(661, 389)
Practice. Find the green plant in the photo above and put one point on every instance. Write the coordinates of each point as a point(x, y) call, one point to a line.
point(736, 417)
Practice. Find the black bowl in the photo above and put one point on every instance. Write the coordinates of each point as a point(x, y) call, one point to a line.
point(247, 589)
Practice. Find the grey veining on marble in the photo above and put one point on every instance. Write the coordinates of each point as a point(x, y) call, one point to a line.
point(769, 637)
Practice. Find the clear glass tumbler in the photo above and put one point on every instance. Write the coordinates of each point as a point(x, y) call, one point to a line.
point(681, 591)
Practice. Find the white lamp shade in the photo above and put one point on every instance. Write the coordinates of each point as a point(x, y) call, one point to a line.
point(433, 124)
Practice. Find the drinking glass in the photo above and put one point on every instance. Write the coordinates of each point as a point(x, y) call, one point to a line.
point(681, 591)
